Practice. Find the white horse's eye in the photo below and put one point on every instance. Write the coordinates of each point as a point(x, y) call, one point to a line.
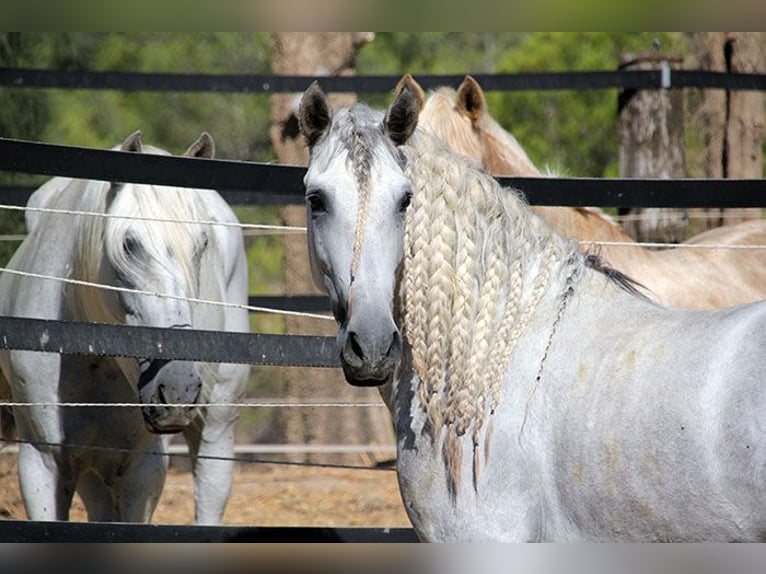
point(405, 201)
point(130, 246)
point(203, 241)
point(316, 202)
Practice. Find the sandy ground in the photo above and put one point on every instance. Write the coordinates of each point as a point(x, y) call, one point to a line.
point(263, 495)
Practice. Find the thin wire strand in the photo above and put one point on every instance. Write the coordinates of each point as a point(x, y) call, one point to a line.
point(252, 308)
point(189, 455)
point(730, 212)
point(246, 404)
point(286, 229)
point(672, 245)
point(257, 229)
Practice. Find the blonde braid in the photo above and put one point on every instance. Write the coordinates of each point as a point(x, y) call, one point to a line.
point(443, 233)
point(429, 323)
point(476, 270)
point(465, 286)
point(415, 284)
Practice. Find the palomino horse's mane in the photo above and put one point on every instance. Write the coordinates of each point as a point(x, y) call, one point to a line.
point(477, 263)
point(476, 134)
point(448, 124)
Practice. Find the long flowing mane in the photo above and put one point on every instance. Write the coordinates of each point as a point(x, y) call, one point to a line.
point(477, 263)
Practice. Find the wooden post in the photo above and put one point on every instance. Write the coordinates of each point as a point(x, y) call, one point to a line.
point(317, 54)
point(651, 136)
point(732, 121)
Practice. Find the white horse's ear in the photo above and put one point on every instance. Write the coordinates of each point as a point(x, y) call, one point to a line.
point(204, 147)
point(402, 115)
point(471, 101)
point(410, 82)
point(132, 142)
point(314, 114)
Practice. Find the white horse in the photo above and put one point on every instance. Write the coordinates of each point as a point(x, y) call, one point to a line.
point(536, 395)
point(101, 452)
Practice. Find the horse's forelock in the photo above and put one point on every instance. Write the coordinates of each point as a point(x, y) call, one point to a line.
point(159, 237)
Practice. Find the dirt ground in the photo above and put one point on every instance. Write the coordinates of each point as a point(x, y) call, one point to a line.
point(263, 495)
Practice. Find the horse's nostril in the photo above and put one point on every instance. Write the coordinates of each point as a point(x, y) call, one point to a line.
point(355, 347)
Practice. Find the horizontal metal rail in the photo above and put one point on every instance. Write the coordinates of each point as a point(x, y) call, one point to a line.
point(270, 84)
point(27, 531)
point(243, 177)
point(70, 337)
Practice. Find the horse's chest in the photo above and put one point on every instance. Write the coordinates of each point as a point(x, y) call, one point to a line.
point(499, 508)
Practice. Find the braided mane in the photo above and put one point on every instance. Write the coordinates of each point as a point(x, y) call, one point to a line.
point(477, 263)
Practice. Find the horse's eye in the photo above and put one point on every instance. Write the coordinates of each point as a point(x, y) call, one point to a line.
point(202, 243)
point(130, 246)
point(316, 203)
point(404, 203)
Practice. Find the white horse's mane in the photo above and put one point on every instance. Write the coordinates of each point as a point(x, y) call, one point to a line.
point(477, 262)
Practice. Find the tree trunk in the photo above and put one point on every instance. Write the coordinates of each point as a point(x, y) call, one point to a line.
point(651, 135)
point(732, 121)
point(317, 54)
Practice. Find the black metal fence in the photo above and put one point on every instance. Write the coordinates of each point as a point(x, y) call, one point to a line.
point(255, 183)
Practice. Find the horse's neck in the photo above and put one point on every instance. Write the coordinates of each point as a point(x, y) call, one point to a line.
point(503, 155)
point(582, 224)
point(478, 268)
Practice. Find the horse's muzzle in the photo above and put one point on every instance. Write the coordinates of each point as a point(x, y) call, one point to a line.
point(370, 361)
point(168, 390)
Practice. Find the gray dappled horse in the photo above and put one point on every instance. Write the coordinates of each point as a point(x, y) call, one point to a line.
point(536, 395)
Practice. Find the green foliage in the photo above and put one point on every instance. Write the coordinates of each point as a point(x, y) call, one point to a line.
point(239, 122)
point(24, 113)
point(571, 131)
point(433, 53)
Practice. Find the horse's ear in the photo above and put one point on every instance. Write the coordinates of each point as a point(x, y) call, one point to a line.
point(409, 81)
point(402, 115)
point(471, 101)
point(204, 147)
point(132, 142)
point(314, 114)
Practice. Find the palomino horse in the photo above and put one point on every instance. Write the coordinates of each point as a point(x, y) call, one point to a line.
point(536, 395)
point(142, 241)
point(678, 277)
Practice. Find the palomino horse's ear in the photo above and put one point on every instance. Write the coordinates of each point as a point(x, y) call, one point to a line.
point(132, 142)
point(204, 147)
point(314, 114)
point(471, 101)
point(402, 115)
